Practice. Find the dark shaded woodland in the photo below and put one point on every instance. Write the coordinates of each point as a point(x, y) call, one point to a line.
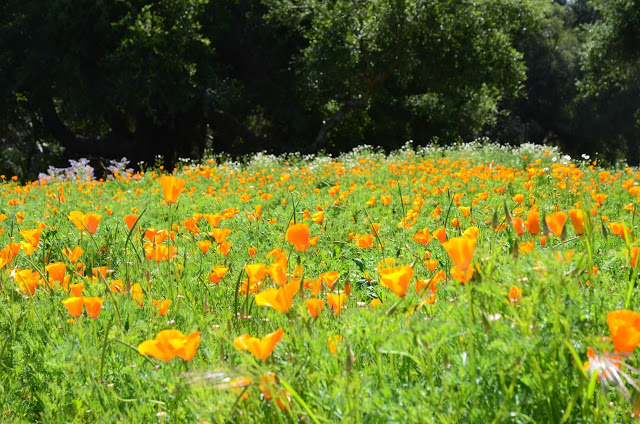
point(176, 78)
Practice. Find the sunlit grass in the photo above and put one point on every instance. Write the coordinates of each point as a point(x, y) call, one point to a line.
point(437, 285)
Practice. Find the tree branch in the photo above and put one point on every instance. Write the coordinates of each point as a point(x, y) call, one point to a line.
point(110, 147)
point(349, 106)
point(333, 121)
point(218, 118)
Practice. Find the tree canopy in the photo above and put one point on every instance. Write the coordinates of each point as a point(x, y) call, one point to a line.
point(141, 78)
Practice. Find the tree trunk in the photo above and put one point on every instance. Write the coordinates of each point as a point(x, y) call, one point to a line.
point(252, 142)
point(109, 147)
point(333, 121)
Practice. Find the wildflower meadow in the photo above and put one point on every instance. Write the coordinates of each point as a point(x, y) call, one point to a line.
point(468, 284)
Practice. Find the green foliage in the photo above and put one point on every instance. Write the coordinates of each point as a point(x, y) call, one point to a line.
point(610, 87)
point(612, 51)
point(438, 68)
point(141, 78)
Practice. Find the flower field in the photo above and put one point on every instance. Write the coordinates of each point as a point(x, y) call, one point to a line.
point(470, 284)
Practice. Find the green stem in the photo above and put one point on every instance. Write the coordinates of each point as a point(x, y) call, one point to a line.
point(104, 347)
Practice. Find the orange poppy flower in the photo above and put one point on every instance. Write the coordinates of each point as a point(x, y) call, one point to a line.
point(5, 257)
point(137, 293)
point(204, 245)
point(333, 342)
point(251, 288)
point(431, 264)
point(28, 280)
point(397, 278)
point(279, 298)
point(518, 198)
point(461, 275)
point(634, 256)
point(577, 219)
point(624, 327)
point(116, 286)
point(191, 225)
point(268, 389)
point(257, 213)
point(27, 248)
point(298, 235)
point(376, 303)
point(220, 234)
point(216, 274)
point(91, 221)
point(365, 241)
point(252, 252)
point(8, 253)
point(432, 284)
point(278, 273)
point(32, 236)
point(77, 218)
point(329, 278)
point(56, 271)
point(213, 219)
point(279, 255)
point(88, 221)
point(460, 250)
point(515, 294)
point(533, 223)
point(471, 232)
point(423, 236)
point(230, 213)
point(318, 217)
point(93, 305)
point(619, 229)
point(171, 188)
point(315, 286)
point(518, 226)
point(335, 301)
point(156, 236)
point(600, 198)
point(130, 219)
point(74, 305)
point(385, 200)
point(260, 348)
point(76, 289)
point(171, 343)
point(314, 306)
point(255, 272)
point(440, 234)
point(161, 305)
point(526, 247)
point(160, 252)
point(224, 248)
point(556, 221)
